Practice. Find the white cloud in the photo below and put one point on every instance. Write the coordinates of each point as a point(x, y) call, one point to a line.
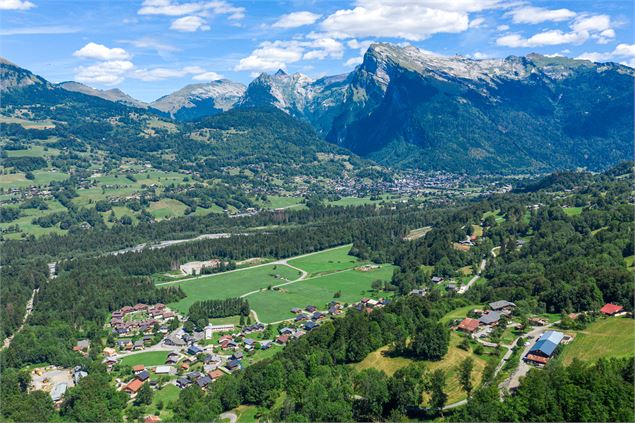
point(624, 53)
point(296, 19)
point(16, 5)
point(536, 15)
point(152, 44)
point(502, 28)
point(273, 55)
point(38, 30)
point(101, 52)
point(354, 61)
point(479, 55)
point(174, 8)
point(547, 38)
point(158, 74)
point(583, 27)
point(475, 23)
point(208, 76)
point(190, 24)
point(108, 73)
point(193, 14)
point(412, 20)
point(362, 46)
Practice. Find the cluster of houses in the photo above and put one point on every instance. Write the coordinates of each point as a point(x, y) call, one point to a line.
point(154, 314)
point(486, 318)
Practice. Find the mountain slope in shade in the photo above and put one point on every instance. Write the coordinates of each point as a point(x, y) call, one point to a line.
point(199, 100)
point(406, 107)
point(114, 94)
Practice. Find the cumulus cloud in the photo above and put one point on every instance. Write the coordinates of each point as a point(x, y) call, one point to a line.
point(502, 28)
point(16, 5)
point(101, 52)
point(272, 55)
point(152, 44)
point(536, 15)
point(190, 24)
point(475, 23)
point(193, 14)
point(623, 53)
point(354, 61)
point(296, 19)
point(108, 73)
point(582, 28)
point(411, 20)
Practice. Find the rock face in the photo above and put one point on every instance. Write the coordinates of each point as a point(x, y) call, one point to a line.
point(15, 77)
point(406, 107)
point(198, 100)
point(114, 94)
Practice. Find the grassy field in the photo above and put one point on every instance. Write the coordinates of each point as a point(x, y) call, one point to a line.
point(630, 262)
point(166, 207)
point(417, 233)
point(232, 284)
point(167, 394)
point(572, 211)
point(279, 202)
point(497, 215)
point(381, 361)
point(42, 177)
point(459, 313)
point(148, 359)
point(275, 305)
point(612, 337)
point(327, 261)
point(34, 151)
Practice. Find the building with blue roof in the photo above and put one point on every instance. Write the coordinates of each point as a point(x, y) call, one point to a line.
point(546, 344)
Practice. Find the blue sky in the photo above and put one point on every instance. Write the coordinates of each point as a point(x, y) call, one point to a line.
point(149, 48)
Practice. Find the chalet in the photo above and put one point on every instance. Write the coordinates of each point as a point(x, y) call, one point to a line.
point(310, 325)
point(143, 376)
point(185, 366)
point(265, 345)
point(296, 310)
point(317, 316)
point(611, 309)
point(211, 358)
point(216, 374)
point(138, 345)
point(152, 419)
point(237, 355)
point(172, 360)
point(452, 287)
point(286, 331)
point(193, 375)
point(490, 318)
point(437, 279)
point(133, 386)
point(545, 347)
point(310, 308)
point(418, 292)
point(163, 370)
point(138, 368)
point(468, 325)
point(298, 333)
point(183, 382)
point(125, 344)
point(194, 350)
point(250, 342)
point(204, 381)
point(174, 340)
point(282, 339)
point(301, 317)
point(225, 338)
point(233, 365)
point(537, 321)
point(109, 352)
point(210, 367)
point(501, 305)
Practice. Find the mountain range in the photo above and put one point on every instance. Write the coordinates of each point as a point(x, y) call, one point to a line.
point(405, 107)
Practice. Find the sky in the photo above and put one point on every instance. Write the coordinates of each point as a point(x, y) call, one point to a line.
point(149, 48)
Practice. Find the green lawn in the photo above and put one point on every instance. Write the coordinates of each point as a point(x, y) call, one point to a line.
point(327, 261)
point(42, 177)
point(459, 313)
point(275, 305)
point(34, 151)
point(167, 394)
point(610, 337)
point(572, 211)
point(148, 359)
point(166, 207)
point(630, 262)
point(232, 284)
point(278, 202)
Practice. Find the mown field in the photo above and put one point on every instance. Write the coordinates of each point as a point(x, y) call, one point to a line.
point(352, 285)
point(148, 359)
point(611, 337)
point(327, 261)
point(232, 284)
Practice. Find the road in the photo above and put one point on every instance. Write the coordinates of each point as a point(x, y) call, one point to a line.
point(29, 309)
point(464, 288)
point(229, 415)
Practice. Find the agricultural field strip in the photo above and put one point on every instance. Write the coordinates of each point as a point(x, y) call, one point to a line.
point(277, 262)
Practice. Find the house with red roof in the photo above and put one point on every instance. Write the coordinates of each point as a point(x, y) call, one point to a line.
point(468, 325)
point(611, 309)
